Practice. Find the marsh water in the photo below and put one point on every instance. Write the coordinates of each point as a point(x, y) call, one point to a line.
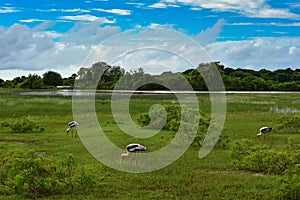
point(158, 92)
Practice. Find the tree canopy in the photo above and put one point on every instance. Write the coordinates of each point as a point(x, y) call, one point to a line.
point(103, 76)
point(51, 78)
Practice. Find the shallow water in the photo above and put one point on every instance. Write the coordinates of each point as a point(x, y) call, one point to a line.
point(283, 110)
point(128, 92)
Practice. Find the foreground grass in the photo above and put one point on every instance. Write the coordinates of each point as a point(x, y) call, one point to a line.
point(187, 178)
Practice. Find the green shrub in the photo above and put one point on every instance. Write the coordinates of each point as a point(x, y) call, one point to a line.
point(177, 116)
point(285, 161)
point(289, 124)
point(256, 157)
point(174, 118)
point(34, 174)
point(290, 183)
point(23, 125)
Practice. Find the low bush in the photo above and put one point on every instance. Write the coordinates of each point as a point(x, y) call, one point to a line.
point(172, 116)
point(289, 124)
point(32, 174)
point(290, 183)
point(23, 125)
point(256, 157)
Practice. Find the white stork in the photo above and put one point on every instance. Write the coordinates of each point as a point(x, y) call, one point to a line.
point(264, 130)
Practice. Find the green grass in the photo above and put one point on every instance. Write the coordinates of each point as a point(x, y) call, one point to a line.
point(187, 178)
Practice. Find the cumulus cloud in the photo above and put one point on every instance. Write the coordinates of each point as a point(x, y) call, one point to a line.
point(33, 49)
point(18, 42)
point(156, 48)
point(269, 53)
point(89, 34)
point(210, 34)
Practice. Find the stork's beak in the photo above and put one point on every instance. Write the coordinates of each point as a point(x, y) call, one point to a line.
point(258, 135)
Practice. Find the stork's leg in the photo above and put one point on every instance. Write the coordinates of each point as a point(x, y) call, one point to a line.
point(135, 159)
point(122, 158)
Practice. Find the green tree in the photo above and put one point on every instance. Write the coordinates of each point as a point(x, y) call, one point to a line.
point(52, 78)
point(259, 84)
point(287, 86)
point(1, 82)
point(32, 82)
point(100, 75)
point(70, 80)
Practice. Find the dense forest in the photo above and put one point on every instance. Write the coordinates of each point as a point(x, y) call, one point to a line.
point(104, 76)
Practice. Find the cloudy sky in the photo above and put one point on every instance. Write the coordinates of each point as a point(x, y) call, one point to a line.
point(38, 36)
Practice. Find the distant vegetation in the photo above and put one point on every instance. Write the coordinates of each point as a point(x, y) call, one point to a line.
point(104, 76)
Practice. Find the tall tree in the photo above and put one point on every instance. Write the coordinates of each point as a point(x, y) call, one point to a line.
point(52, 78)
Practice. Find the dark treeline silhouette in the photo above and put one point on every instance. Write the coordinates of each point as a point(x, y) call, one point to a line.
point(103, 76)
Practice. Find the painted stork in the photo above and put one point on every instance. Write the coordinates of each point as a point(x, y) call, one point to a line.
point(71, 125)
point(131, 148)
point(264, 131)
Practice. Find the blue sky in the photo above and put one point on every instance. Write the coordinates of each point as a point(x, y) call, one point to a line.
point(38, 36)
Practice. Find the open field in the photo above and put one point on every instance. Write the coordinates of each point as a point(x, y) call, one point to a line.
point(189, 177)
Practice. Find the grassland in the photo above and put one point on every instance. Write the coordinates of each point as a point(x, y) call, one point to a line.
point(187, 178)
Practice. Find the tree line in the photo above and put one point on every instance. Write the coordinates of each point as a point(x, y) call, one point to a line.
point(49, 79)
point(103, 76)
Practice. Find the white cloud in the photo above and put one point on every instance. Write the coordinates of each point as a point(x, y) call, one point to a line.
point(287, 25)
point(210, 34)
point(267, 12)
point(294, 50)
point(87, 18)
point(249, 8)
point(294, 24)
point(6, 9)
point(165, 4)
point(154, 25)
point(30, 20)
point(156, 48)
point(43, 26)
point(114, 11)
point(267, 52)
point(74, 10)
point(137, 5)
point(196, 8)
point(34, 50)
point(50, 34)
point(89, 34)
